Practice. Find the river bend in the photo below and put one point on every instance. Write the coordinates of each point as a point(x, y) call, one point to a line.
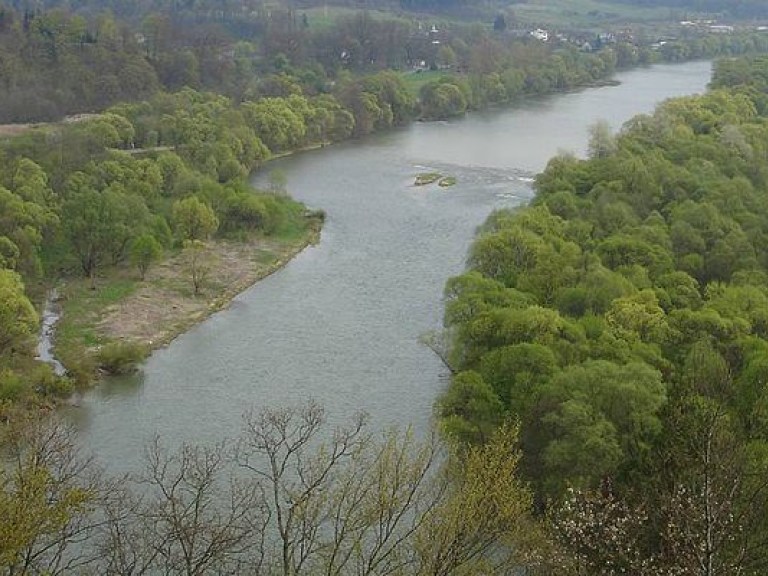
point(341, 322)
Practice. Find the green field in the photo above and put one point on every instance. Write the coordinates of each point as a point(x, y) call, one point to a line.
point(587, 14)
point(324, 17)
point(415, 80)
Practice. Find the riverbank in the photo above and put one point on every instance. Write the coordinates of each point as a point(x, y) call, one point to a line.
point(153, 312)
point(342, 323)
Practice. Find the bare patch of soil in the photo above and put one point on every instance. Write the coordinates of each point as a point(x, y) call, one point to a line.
point(10, 130)
point(164, 305)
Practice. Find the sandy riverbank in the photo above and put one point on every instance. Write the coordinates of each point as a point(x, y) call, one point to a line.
point(163, 306)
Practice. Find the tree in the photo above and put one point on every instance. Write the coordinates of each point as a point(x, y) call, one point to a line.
point(295, 504)
point(500, 23)
point(198, 262)
point(713, 498)
point(193, 220)
point(446, 57)
point(596, 533)
point(603, 416)
point(482, 525)
point(23, 224)
point(602, 142)
point(145, 250)
point(442, 100)
point(100, 224)
point(193, 519)
point(18, 319)
point(48, 494)
point(276, 123)
point(361, 506)
point(470, 409)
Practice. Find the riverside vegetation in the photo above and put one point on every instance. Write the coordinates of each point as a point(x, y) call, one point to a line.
point(165, 170)
point(619, 320)
point(606, 415)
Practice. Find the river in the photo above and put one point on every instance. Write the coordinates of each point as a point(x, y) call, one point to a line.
point(341, 322)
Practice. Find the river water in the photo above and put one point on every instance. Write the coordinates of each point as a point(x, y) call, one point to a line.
point(341, 322)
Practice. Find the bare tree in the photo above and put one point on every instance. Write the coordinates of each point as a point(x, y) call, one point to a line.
point(193, 517)
point(288, 498)
point(49, 497)
point(398, 506)
point(350, 505)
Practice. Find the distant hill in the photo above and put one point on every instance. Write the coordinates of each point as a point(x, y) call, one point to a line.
point(732, 8)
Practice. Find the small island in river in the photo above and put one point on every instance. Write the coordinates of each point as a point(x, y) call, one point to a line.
point(426, 178)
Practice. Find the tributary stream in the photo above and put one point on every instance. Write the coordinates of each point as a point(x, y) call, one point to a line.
point(341, 322)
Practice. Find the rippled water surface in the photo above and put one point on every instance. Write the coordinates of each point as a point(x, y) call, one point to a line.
point(341, 323)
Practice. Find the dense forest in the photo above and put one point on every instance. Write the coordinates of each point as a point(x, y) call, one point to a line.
point(182, 122)
point(621, 319)
point(606, 414)
point(608, 342)
point(60, 61)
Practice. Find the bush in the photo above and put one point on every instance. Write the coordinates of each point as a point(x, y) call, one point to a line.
point(80, 365)
point(11, 386)
point(121, 357)
point(318, 215)
point(47, 383)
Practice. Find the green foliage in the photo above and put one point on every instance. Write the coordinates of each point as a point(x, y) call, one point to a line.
point(193, 220)
point(470, 410)
point(121, 357)
point(11, 386)
point(100, 224)
point(442, 99)
point(18, 318)
point(278, 125)
point(623, 319)
point(145, 250)
point(198, 263)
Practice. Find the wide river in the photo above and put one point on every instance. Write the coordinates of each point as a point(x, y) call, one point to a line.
point(341, 322)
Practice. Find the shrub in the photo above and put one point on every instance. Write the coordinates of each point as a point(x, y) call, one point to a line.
point(46, 382)
point(11, 385)
point(121, 357)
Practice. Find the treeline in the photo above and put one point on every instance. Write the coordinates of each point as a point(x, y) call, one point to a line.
point(508, 72)
point(60, 60)
point(80, 199)
point(622, 319)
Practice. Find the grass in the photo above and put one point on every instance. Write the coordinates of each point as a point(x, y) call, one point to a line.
point(82, 308)
point(325, 17)
point(264, 257)
point(293, 223)
point(586, 14)
point(415, 80)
